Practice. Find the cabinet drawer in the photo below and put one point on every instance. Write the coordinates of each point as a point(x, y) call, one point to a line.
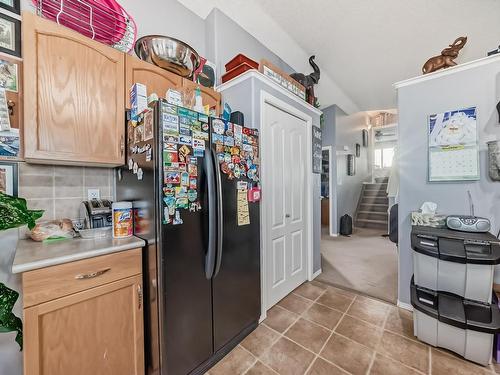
point(53, 282)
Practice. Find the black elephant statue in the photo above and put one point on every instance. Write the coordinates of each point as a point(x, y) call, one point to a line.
point(309, 81)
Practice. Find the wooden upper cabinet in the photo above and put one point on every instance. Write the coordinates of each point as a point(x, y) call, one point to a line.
point(156, 79)
point(74, 107)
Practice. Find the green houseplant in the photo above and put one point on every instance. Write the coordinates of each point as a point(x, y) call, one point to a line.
point(13, 213)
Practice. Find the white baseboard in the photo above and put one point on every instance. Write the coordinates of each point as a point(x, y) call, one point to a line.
point(405, 306)
point(316, 274)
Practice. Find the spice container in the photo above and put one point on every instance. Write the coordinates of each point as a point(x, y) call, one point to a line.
point(122, 219)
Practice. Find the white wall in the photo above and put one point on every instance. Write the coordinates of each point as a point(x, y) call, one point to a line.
point(348, 132)
point(456, 88)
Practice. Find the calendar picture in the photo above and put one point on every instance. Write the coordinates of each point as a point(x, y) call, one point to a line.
point(453, 146)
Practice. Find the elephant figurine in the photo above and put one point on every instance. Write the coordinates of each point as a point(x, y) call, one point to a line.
point(309, 81)
point(445, 60)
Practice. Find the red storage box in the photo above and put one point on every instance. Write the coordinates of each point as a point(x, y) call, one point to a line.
point(240, 59)
point(240, 69)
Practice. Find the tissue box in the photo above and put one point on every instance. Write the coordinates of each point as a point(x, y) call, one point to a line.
point(138, 100)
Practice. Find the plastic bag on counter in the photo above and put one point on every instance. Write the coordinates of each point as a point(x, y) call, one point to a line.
point(51, 230)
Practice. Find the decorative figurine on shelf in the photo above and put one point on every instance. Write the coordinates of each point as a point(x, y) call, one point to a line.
point(445, 60)
point(309, 81)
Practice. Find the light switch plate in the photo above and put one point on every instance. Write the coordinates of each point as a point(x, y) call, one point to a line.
point(93, 194)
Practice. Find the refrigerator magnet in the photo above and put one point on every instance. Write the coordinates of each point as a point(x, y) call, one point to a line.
point(204, 126)
point(185, 140)
point(193, 183)
point(218, 126)
point(171, 138)
point(198, 152)
point(172, 178)
point(170, 157)
point(130, 164)
point(198, 144)
point(181, 192)
point(140, 174)
point(241, 185)
point(192, 195)
point(135, 168)
point(166, 216)
point(170, 147)
point(149, 154)
point(182, 167)
point(200, 135)
point(177, 218)
point(168, 108)
point(182, 203)
point(218, 139)
point(229, 141)
point(185, 179)
point(192, 170)
point(185, 130)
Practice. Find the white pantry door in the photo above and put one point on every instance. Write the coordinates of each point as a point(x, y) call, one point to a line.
point(284, 184)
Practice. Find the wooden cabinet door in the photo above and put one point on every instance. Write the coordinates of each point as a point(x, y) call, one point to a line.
point(97, 331)
point(210, 97)
point(74, 101)
point(157, 80)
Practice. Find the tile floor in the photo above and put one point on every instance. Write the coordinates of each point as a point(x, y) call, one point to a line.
point(322, 330)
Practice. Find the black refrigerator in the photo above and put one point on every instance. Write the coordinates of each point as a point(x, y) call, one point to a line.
point(194, 184)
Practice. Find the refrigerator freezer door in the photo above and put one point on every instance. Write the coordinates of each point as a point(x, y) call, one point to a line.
point(187, 298)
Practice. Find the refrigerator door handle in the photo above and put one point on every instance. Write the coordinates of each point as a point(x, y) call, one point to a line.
point(212, 224)
point(220, 215)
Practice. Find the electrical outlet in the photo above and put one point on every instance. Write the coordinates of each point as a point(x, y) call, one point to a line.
point(93, 194)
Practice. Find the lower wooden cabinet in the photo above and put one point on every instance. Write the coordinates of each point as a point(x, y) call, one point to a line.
point(94, 331)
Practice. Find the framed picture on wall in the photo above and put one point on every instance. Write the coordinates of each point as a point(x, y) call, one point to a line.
point(9, 178)
point(10, 35)
point(11, 5)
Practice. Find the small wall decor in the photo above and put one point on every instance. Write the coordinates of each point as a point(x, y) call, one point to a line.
point(309, 81)
point(447, 57)
point(494, 160)
point(358, 150)
point(9, 178)
point(11, 5)
point(351, 165)
point(453, 146)
point(365, 138)
point(10, 35)
point(317, 147)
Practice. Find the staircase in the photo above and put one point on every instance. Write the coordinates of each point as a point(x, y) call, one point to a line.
point(373, 205)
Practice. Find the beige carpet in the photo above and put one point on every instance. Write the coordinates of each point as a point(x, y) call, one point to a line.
point(365, 262)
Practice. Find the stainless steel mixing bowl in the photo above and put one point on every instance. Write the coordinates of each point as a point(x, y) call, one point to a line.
point(168, 53)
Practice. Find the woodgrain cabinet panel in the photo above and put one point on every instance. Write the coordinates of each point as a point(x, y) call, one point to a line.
point(97, 331)
point(74, 107)
point(157, 80)
point(49, 283)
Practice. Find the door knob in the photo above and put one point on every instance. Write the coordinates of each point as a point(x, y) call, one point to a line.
point(287, 215)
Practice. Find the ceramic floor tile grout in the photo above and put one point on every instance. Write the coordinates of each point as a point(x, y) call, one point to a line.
point(328, 339)
point(378, 342)
point(282, 334)
point(430, 361)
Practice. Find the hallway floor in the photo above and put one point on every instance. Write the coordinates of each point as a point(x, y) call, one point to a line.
point(365, 262)
point(321, 330)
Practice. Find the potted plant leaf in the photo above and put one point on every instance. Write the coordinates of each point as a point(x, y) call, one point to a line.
point(14, 213)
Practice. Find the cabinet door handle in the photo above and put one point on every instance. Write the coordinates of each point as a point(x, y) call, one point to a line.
point(122, 145)
point(85, 276)
point(139, 295)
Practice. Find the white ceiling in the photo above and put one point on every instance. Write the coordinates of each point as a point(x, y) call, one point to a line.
point(367, 45)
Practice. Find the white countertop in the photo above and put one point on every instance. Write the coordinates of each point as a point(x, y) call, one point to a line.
point(31, 255)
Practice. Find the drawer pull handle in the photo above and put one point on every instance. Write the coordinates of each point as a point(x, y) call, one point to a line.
point(139, 296)
point(91, 275)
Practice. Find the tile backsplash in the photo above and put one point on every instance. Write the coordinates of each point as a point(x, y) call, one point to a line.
point(59, 190)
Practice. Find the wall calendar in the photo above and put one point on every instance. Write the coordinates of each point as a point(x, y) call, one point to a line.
point(453, 146)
